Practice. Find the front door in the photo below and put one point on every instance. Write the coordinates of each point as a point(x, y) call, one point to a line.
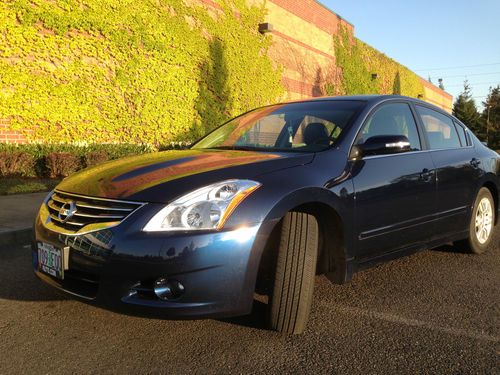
point(395, 194)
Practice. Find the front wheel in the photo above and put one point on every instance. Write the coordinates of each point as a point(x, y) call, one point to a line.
point(292, 294)
point(481, 223)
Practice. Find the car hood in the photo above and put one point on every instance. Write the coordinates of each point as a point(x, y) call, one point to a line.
point(163, 176)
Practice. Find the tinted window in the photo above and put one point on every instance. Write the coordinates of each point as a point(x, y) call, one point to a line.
point(305, 126)
point(392, 119)
point(439, 128)
point(461, 134)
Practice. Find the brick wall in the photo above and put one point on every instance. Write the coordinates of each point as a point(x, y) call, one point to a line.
point(7, 135)
point(436, 96)
point(315, 13)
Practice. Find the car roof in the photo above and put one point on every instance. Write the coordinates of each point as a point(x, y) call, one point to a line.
point(371, 99)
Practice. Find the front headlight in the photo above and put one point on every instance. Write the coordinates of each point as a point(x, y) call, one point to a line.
point(205, 208)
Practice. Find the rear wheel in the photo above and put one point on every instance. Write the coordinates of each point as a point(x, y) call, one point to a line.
point(481, 224)
point(291, 298)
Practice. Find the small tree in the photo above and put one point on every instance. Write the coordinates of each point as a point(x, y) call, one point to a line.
point(491, 118)
point(441, 85)
point(466, 111)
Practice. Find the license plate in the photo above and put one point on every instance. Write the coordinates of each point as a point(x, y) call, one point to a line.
point(50, 260)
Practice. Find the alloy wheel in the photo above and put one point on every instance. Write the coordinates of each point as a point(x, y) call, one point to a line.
point(484, 220)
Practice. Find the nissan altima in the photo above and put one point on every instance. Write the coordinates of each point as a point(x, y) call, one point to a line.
point(262, 204)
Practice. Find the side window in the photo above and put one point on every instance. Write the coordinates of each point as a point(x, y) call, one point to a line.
point(461, 134)
point(392, 119)
point(440, 129)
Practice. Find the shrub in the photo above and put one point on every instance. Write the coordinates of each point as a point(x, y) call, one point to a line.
point(46, 160)
point(15, 164)
point(39, 153)
point(180, 145)
point(95, 158)
point(62, 164)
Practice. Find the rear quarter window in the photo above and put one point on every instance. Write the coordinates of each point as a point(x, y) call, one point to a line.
point(461, 134)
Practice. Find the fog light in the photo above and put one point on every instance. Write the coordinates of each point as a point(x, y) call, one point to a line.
point(168, 289)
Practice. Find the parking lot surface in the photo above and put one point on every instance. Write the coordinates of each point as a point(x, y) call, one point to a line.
point(433, 312)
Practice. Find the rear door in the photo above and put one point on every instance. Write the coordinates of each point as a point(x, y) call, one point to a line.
point(456, 165)
point(395, 194)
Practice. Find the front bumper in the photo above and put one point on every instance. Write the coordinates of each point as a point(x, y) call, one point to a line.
point(116, 267)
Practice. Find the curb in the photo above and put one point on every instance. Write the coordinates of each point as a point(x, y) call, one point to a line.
point(15, 237)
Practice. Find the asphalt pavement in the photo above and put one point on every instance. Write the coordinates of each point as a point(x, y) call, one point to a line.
point(18, 211)
point(435, 312)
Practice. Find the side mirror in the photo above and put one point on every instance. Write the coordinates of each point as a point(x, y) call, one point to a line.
point(381, 145)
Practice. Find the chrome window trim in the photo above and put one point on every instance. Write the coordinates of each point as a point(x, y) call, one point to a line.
point(413, 152)
point(451, 148)
point(395, 154)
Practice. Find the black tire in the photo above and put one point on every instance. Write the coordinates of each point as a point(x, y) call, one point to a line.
point(291, 298)
point(472, 244)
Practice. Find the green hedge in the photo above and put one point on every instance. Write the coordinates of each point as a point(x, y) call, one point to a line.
point(59, 160)
point(130, 71)
point(358, 61)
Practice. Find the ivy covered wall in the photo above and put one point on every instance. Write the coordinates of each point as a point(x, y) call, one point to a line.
point(130, 71)
point(161, 71)
point(358, 62)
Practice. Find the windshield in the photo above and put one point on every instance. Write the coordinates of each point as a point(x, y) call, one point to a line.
point(305, 126)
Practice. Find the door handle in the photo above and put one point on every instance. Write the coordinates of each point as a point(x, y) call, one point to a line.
point(475, 162)
point(426, 175)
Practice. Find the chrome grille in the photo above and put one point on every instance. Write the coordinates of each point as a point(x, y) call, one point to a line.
point(89, 210)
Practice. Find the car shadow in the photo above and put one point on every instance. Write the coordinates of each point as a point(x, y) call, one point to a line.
point(461, 248)
point(17, 280)
point(257, 318)
point(19, 283)
point(450, 248)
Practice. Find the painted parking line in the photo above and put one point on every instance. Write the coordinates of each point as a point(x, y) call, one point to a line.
point(416, 323)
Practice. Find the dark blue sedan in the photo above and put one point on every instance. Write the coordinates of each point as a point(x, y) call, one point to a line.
point(264, 203)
